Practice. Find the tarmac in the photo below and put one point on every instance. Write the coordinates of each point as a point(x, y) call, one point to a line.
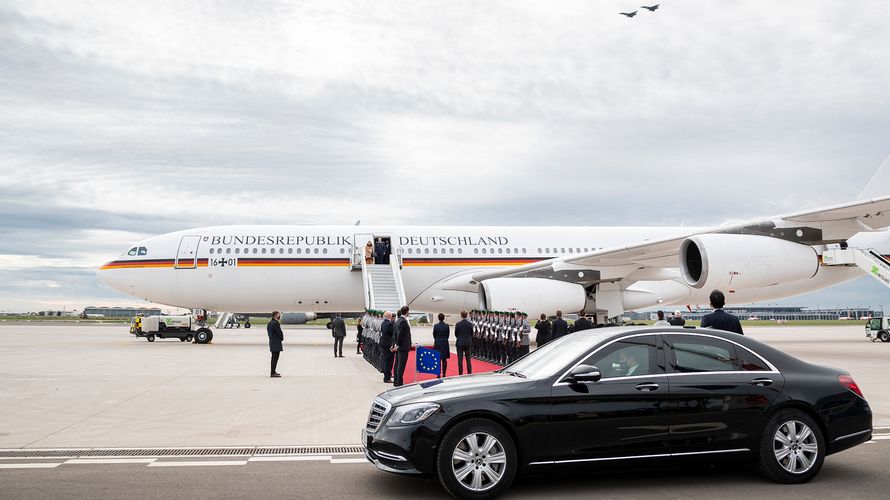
point(77, 400)
point(86, 385)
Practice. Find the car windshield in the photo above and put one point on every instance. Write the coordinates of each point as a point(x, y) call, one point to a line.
point(554, 356)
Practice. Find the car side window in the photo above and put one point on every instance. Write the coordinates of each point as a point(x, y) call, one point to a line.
point(626, 358)
point(751, 362)
point(691, 354)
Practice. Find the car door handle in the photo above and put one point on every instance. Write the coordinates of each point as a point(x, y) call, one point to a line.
point(762, 382)
point(647, 387)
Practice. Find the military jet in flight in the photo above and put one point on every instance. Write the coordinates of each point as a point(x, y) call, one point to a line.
point(628, 14)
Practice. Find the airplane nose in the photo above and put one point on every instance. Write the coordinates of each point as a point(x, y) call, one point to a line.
point(112, 277)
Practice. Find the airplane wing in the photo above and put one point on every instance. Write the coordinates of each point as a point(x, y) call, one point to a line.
point(653, 258)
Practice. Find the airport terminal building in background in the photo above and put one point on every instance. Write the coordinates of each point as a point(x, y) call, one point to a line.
point(778, 313)
point(120, 312)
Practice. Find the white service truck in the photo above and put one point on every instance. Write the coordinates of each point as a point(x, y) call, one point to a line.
point(878, 328)
point(185, 328)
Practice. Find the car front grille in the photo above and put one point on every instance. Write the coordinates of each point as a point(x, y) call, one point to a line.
point(378, 412)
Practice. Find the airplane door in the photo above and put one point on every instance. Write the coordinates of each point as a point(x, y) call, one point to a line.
point(187, 255)
point(358, 247)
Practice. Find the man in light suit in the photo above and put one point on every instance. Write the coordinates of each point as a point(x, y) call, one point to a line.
point(721, 319)
point(401, 346)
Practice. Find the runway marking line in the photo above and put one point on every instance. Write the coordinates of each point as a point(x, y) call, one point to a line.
point(202, 463)
point(349, 461)
point(102, 461)
point(43, 465)
point(308, 458)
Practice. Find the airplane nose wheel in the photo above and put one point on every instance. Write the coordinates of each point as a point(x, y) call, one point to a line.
point(203, 335)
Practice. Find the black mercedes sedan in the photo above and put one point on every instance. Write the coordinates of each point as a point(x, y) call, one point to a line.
point(620, 394)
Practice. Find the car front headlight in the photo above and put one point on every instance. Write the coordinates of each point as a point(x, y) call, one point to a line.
point(412, 414)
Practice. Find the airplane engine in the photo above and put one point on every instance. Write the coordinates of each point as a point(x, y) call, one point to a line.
point(732, 262)
point(289, 318)
point(531, 295)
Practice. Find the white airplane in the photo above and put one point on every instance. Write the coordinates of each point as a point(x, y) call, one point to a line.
point(599, 270)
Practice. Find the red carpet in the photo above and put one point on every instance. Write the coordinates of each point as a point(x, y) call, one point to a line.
point(410, 369)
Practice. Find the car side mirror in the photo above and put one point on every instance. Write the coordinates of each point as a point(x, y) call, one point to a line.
point(582, 374)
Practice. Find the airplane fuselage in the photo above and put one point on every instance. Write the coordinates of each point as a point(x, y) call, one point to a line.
point(310, 268)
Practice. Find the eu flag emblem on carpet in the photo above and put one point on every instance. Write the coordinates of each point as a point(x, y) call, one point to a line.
point(428, 360)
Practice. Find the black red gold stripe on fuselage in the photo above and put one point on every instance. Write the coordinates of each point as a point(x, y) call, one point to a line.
point(150, 263)
point(254, 262)
point(469, 262)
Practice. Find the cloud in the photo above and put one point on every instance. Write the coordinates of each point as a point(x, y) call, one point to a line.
point(126, 119)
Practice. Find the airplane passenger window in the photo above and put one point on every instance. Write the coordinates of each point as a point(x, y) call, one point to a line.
point(460, 250)
point(325, 250)
point(570, 250)
point(539, 250)
point(475, 250)
point(523, 250)
point(508, 250)
point(132, 251)
point(450, 250)
point(426, 250)
point(211, 251)
point(299, 250)
point(271, 250)
point(291, 250)
point(435, 250)
point(254, 250)
point(484, 250)
point(586, 250)
point(342, 250)
point(578, 250)
point(228, 250)
point(237, 250)
point(280, 250)
point(264, 250)
point(563, 250)
point(410, 250)
point(316, 251)
point(500, 250)
point(143, 251)
point(246, 250)
point(515, 250)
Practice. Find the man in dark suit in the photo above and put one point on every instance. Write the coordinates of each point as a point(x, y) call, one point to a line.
point(582, 323)
point(276, 337)
point(338, 331)
point(402, 346)
point(387, 334)
point(543, 328)
point(721, 319)
point(441, 332)
point(559, 326)
point(463, 332)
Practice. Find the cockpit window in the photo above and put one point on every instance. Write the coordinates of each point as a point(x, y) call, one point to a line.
point(143, 251)
point(132, 251)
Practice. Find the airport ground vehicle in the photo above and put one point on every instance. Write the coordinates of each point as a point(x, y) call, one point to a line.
point(878, 328)
point(185, 328)
point(628, 395)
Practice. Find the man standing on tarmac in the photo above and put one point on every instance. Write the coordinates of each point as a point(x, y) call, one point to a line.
point(402, 346)
point(387, 333)
point(463, 333)
point(721, 319)
point(677, 319)
point(582, 323)
point(559, 326)
point(338, 331)
point(276, 337)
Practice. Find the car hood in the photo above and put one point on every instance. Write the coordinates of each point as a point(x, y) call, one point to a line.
point(448, 388)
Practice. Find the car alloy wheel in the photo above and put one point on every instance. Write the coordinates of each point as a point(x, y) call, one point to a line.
point(478, 461)
point(795, 447)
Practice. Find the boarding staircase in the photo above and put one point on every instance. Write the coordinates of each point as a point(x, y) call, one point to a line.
point(383, 286)
point(873, 263)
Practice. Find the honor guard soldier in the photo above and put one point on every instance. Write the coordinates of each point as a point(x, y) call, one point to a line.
point(525, 338)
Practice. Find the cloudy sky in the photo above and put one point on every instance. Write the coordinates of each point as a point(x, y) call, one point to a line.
point(122, 119)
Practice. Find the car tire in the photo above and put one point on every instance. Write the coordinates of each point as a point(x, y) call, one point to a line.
point(189, 338)
point(150, 337)
point(884, 336)
point(792, 447)
point(247, 325)
point(466, 450)
point(203, 335)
